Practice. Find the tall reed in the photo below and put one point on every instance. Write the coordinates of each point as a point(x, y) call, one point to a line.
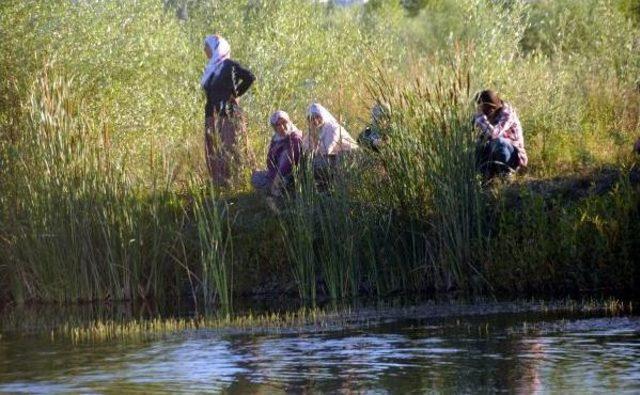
point(212, 220)
point(338, 247)
point(430, 160)
point(298, 226)
point(80, 229)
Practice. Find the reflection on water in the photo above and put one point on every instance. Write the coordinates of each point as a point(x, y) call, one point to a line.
point(507, 352)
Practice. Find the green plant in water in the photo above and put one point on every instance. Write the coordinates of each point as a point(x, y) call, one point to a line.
point(298, 230)
point(216, 249)
point(80, 228)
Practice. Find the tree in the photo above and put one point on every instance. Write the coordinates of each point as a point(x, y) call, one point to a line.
point(414, 7)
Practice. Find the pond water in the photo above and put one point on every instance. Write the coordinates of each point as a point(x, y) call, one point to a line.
point(493, 352)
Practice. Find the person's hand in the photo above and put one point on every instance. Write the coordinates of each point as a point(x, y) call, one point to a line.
point(479, 118)
point(484, 137)
point(274, 189)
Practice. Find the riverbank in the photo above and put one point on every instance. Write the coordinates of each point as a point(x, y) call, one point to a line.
point(139, 322)
point(563, 236)
point(105, 196)
point(573, 234)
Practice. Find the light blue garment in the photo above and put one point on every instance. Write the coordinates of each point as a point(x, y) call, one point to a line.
point(501, 150)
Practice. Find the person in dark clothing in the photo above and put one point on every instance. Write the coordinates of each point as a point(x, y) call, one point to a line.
point(223, 81)
point(371, 137)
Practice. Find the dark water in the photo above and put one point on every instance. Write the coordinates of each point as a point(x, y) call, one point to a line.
point(521, 353)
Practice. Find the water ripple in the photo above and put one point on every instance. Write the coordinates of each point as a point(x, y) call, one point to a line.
point(592, 354)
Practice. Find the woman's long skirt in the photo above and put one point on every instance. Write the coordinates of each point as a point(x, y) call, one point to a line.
point(223, 138)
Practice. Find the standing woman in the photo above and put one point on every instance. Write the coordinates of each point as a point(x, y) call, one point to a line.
point(223, 81)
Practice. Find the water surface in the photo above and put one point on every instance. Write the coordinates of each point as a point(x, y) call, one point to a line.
point(510, 352)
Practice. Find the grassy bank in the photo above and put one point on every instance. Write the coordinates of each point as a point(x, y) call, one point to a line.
point(104, 191)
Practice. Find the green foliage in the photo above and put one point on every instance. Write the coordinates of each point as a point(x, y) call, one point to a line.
point(584, 27)
point(630, 8)
point(71, 218)
point(128, 61)
point(588, 245)
point(101, 139)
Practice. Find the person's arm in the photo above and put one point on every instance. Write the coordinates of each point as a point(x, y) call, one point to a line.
point(272, 166)
point(296, 148)
point(242, 79)
point(284, 164)
point(290, 157)
point(209, 106)
point(481, 122)
point(331, 138)
point(506, 119)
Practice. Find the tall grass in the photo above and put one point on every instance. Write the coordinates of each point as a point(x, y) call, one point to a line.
point(430, 160)
point(216, 249)
point(299, 233)
point(101, 139)
point(78, 228)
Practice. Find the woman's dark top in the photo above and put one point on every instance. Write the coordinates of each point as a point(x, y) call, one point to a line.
point(233, 80)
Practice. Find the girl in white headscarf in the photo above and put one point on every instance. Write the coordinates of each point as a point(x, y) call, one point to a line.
point(326, 136)
point(223, 81)
point(284, 153)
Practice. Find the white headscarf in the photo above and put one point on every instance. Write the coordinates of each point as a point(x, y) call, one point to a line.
point(332, 138)
point(323, 113)
point(220, 50)
point(290, 126)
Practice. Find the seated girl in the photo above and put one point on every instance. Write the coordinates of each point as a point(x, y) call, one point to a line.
point(326, 139)
point(325, 143)
point(502, 141)
point(283, 155)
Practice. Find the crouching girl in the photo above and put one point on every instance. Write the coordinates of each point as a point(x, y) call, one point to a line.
point(326, 143)
point(283, 155)
point(501, 140)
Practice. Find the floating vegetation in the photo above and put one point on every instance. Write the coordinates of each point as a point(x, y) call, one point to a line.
point(301, 320)
point(315, 318)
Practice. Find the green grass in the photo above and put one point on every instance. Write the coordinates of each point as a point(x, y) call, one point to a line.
point(104, 191)
point(216, 249)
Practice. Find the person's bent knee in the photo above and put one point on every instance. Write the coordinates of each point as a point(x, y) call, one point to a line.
point(502, 150)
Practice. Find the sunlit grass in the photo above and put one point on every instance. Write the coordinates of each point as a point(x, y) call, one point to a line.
point(104, 191)
point(158, 327)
